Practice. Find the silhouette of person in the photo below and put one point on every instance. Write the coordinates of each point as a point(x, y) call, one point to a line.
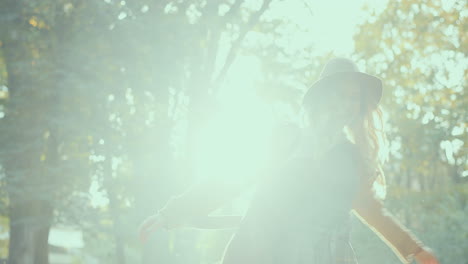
point(325, 169)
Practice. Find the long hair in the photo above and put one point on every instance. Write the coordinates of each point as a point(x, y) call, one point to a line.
point(369, 136)
point(367, 133)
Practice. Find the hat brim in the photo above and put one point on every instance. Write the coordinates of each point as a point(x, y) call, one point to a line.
point(370, 83)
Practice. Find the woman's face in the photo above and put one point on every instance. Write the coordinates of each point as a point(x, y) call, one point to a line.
point(339, 108)
point(346, 103)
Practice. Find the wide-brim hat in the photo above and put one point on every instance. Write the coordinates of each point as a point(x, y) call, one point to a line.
point(339, 70)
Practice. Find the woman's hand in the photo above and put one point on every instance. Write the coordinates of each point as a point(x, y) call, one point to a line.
point(149, 225)
point(426, 256)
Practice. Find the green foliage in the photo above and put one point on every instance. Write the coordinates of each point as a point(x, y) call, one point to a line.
point(113, 93)
point(417, 46)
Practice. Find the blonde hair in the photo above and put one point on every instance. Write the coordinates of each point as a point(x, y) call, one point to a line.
point(369, 136)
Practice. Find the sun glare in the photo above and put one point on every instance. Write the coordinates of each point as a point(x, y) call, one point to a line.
point(327, 25)
point(233, 142)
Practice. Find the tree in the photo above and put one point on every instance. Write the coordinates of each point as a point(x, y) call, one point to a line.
point(415, 46)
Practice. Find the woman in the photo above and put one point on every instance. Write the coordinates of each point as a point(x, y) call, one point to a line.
point(301, 209)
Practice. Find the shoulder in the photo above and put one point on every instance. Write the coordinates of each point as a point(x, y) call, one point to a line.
point(345, 147)
point(341, 164)
point(345, 152)
point(284, 137)
point(351, 149)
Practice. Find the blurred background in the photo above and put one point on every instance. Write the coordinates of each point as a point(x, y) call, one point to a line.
point(108, 108)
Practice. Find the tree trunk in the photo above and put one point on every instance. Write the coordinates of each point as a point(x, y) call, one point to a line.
point(25, 158)
point(30, 222)
point(114, 210)
point(119, 243)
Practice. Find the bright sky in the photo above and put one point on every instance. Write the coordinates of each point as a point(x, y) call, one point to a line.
point(330, 24)
point(325, 25)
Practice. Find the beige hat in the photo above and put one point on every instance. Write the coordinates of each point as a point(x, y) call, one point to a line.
point(339, 70)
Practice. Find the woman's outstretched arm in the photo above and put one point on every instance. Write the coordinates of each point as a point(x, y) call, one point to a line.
point(372, 212)
point(216, 222)
point(192, 207)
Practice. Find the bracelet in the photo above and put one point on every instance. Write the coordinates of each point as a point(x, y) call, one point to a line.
point(411, 256)
point(418, 251)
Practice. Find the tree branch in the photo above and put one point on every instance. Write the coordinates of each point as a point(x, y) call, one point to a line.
point(236, 45)
point(233, 10)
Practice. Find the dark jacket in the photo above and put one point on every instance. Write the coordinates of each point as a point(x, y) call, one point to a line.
point(300, 212)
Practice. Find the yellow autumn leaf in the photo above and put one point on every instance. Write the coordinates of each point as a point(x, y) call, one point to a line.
point(33, 21)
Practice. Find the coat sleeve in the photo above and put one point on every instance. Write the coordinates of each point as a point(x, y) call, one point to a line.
point(371, 211)
point(192, 207)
